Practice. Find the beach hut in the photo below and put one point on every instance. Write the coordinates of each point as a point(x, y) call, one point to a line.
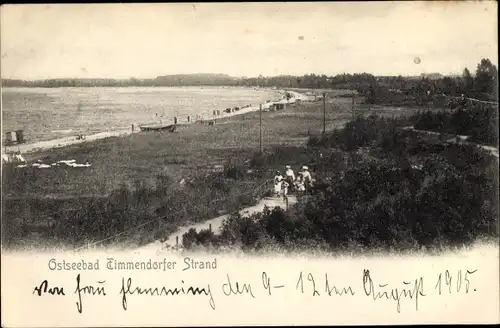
point(14, 137)
point(279, 106)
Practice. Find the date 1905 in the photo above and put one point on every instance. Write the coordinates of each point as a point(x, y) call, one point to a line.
point(454, 283)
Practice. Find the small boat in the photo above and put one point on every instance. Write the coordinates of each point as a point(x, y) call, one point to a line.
point(158, 127)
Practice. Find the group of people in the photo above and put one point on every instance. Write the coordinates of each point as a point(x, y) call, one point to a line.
point(291, 182)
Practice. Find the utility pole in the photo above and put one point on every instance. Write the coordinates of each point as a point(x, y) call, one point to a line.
point(352, 108)
point(260, 118)
point(324, 113)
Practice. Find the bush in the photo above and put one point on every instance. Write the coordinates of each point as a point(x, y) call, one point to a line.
point(382, 199)
point(362, 132)
point(479, 121)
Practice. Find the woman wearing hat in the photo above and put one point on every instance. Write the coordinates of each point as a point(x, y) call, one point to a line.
point(306, 176)
point(289, 176)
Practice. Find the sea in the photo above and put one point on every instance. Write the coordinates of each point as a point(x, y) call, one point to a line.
point(51, 113)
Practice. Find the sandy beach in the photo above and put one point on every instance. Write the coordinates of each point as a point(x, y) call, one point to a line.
point(28, 148)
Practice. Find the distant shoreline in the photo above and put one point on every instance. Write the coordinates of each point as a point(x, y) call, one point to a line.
point(144, 86)
point(39, 146)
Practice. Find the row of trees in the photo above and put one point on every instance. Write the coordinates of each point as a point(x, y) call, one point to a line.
point(483, 84)
point(168, 80)
point(310, 81)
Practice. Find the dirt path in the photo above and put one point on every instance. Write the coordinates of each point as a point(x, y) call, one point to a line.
point(216, 223)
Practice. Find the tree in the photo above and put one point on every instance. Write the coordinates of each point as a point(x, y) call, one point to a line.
point(448, 85)
point(468, 81)
point(486, 79)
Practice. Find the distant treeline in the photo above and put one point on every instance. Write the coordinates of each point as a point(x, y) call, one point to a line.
point(420, 92)
point(377, 89)
point(170, 80)
point(308, 81)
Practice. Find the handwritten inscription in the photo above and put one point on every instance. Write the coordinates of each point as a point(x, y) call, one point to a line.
point(236, 289)
point(384, 291)
point(266, 283)
point(44, 289)
point(129, 289)
point(370, 286)
point(458, 283)
point(89, 290)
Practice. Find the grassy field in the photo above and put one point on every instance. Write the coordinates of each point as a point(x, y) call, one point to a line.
point(197, 147)
point(149, 167)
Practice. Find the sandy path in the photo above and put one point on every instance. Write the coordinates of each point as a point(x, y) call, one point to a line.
point(66, 141)
point(216, 224)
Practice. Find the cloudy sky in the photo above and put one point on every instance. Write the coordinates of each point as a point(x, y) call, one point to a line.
point(145, 40)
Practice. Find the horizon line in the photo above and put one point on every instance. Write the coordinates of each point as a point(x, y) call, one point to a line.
point(224, 74)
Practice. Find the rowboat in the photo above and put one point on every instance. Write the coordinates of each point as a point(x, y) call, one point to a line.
point(158, 127)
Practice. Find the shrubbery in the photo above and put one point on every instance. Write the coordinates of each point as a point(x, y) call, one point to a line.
point(361, 132)
point(401, 193)
point(159, 207)
point(480, 122)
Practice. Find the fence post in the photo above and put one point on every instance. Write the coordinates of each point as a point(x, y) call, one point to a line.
point(324, 113)
point(260, 129)
point(176, 240)
point(210, 226)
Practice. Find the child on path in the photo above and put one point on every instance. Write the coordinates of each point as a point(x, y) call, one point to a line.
point(284, 189)
point(278, 180)
point(299, 184)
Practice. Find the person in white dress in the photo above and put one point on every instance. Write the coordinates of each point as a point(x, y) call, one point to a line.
point(289, 175)
point(278, 180)
point(306, 177)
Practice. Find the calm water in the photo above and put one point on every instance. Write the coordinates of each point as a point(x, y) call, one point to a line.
point(49, 113)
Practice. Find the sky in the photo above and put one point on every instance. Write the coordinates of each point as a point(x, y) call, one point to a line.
point(245, 39)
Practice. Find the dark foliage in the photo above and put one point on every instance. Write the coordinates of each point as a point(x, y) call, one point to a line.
point(401, 192)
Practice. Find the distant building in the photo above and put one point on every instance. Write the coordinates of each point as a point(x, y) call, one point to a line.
point(279, 106)
point(14, 137)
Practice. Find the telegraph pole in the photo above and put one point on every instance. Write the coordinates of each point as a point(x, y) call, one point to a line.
point(260, 118)
point(352, 108)
point(324, 113)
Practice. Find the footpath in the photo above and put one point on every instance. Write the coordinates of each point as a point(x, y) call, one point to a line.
point(175, 240)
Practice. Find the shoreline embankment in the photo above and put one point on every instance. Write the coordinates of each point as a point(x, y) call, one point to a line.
point(38, 146)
